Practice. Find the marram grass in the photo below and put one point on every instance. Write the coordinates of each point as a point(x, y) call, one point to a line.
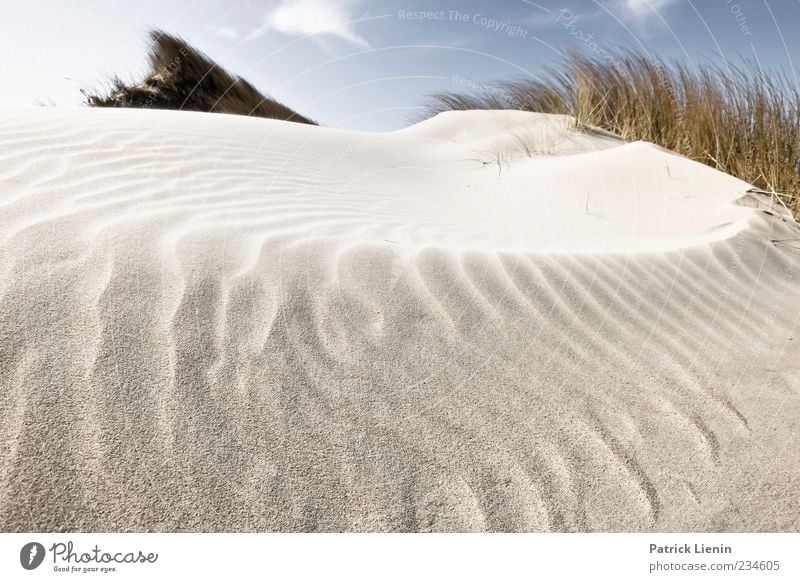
point(741, 119)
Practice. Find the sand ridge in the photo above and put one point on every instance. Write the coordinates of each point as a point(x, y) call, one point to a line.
point(214, 323)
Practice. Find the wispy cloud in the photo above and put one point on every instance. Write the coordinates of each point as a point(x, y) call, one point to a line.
point(641, 7)
point(223, 31)
point(332, 18)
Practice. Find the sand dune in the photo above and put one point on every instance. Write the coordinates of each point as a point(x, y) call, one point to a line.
point(486, 321)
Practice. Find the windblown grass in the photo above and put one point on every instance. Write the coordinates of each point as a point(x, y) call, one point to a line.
point(739, 119)
point(182, 77)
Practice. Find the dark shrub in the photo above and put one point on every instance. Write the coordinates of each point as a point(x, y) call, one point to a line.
point(181, 77)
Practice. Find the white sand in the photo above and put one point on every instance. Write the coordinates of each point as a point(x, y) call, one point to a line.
point(218, 323)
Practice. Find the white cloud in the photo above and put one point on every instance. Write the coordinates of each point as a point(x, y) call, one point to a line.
point(641, 7)
point(223, 31)
point(313, 18)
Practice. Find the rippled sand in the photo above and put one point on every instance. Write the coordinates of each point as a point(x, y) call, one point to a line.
point(483, 322)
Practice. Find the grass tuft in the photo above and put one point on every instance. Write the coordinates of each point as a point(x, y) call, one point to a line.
point(182, 77)
point(742, 120)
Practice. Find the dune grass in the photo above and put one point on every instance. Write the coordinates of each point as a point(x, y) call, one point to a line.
point(740, 119)
point(182, 77)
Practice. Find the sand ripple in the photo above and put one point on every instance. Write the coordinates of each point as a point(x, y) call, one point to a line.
point(197, 335)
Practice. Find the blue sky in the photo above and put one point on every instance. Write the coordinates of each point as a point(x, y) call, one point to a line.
point(368, 65)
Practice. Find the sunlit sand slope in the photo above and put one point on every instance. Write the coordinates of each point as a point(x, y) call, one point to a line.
point(486, 321)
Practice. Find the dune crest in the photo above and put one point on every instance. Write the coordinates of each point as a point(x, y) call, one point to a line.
point(483, 322)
